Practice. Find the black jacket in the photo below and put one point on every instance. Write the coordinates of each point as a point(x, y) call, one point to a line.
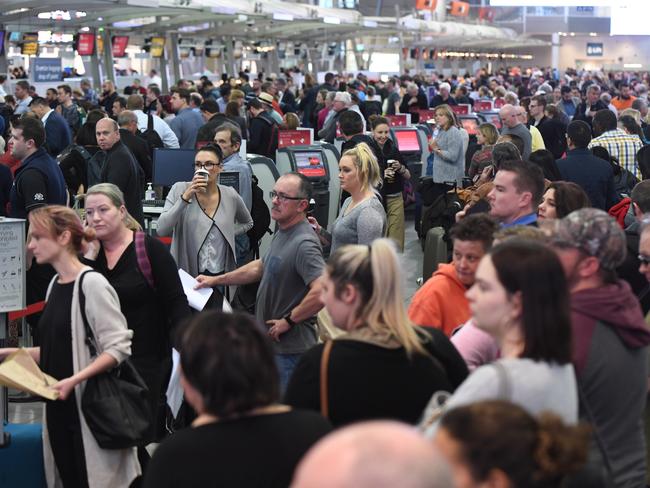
point(140, 150)
point(263, 136)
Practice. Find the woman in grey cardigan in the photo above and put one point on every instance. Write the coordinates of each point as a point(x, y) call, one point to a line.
point(71, 454)
point(203, 218)
point(447, 148)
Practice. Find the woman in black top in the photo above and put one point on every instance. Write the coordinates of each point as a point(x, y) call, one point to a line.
point(395, 174)
point(242, 436)
point(152, 309)
point(383, 367)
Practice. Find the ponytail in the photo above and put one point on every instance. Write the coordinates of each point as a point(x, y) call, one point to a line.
point(366, 164)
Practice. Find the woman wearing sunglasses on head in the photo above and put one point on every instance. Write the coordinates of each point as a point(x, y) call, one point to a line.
point(203, 218)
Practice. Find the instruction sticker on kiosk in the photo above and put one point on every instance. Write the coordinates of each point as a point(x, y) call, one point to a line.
point(310, 164)
point(296, 137)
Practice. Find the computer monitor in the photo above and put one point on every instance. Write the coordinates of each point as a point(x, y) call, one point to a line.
point(407, 140)
point(493, 118)
point(172, 165)
point(470, 124)
point(310, 163)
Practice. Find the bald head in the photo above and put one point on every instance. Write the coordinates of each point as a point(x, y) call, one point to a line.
point(373, 455)
point(508, 114)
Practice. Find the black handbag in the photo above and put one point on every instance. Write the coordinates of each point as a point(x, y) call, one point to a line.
point(115, 403)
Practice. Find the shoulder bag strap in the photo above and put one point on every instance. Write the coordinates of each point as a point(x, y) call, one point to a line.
point(505, 387)
point(594, 429)
point(143, 258)
point(90, 338)
point(324, 364)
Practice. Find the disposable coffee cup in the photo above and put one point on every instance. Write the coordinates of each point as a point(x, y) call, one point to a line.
point(202, 172)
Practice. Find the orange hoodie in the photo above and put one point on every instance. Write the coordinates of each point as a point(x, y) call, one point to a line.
point(441, 301)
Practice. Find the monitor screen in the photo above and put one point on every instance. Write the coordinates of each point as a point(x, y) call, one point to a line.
point(310, 163)
point(172, 165)
point(483, 105)
point(407, 141)
point(85, 44)
point(157, 47)
point(494, 119)
point(470, 125)
point(119, 46)
point(399, 120)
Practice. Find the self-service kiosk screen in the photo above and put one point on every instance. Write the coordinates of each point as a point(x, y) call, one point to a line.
point(172, 165)
point(407, 140)
point(310, 163)
point(494, 119)
point(470, 125)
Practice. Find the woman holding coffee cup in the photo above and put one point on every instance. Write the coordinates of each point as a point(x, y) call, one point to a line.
point(203, 218)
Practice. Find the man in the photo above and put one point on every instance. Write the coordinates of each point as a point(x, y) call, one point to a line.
point(610, 340)
point(118, 106)
point(52, 96)
point(536, 139)
point(629, 270)
point(108, 96)
point(341, 103)
point(153, 105)
point(187, 123)
point(269, 102)
point(567, 104)
point(57, 132)
point(624, 99)
point(553, 131)
point(228, 137)
point(351, 125)
point(618, 143)
point(393, 99)
point(287, 98)
point(90, 95)
point(414, 100)
point(443, 96)
point(518, 190)
point(270, 89)
point(195, 102)
point(136, 105)
point(606, 98)
point(593, 174)
point(135, 88)
point(441, 301)
point(288, 295)
point(263, 131)
point(641, 105)
point(209, 110)
point(512, 125)
point(586, 110)
point(128, 123)
point(377, 454)
point(23, 99)
point(67, 108)
point(154, 78)
point(115, 164)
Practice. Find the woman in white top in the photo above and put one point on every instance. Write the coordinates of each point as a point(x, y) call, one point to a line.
point(362, 218)
point(521, 298)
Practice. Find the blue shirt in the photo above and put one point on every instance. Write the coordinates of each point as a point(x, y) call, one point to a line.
point(235, 163)
point(186, 126)
point(529, 219)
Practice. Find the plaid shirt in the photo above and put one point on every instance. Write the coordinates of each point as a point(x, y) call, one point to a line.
point(621, 146)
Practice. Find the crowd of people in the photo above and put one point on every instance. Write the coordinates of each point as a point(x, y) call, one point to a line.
point(521, 361)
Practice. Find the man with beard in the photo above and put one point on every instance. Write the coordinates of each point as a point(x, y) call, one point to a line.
point(624, 99)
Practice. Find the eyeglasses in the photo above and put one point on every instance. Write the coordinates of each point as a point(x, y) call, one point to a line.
point(207, 166)
point(282, 197)
point(644, 260)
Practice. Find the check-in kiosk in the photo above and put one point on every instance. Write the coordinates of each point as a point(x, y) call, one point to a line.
point(483, 106)
point(409, 143)
point(470, 123)
point(492, 118)
point(311, 162)
point(267, 174)
point(399, 120)
point(332, 156)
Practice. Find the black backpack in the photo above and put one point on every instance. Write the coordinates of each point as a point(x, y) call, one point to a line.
point(441, 213)
point(261, 218)
point(151, 136)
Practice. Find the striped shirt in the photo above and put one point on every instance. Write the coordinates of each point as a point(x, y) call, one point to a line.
point(621, 146)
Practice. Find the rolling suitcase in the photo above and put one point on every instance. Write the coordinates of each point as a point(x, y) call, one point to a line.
point(21, 460)
point(435, 251)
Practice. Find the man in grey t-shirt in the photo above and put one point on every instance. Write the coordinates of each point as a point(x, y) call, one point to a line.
point(512, 125)
point(288, 295)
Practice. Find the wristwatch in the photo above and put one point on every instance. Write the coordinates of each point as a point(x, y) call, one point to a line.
point(287, 317)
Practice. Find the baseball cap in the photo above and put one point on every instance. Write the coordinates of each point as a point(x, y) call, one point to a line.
point(595, 233)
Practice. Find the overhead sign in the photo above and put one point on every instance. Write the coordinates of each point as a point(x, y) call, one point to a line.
point(157, 47)
point(29, 44)
point(118, 46)
point(47, 69)
point(85, 44)
point(595, 49)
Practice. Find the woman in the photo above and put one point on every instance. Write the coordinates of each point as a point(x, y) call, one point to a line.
point(203, 218)
point(394, 176)
point(521, 298)
point(153, 301)
point(487, 137)
point(328, 100)
point(382, 367)
point(447, 148)
point(72, 456)
point(233, 112)
point(546, 162)
point(290, 121)
point(362, 218)
point(497, 443)
point(230, 378)
point(562, 198)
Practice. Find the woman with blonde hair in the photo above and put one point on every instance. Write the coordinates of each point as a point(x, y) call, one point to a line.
point(383, 366)
point(447, 148)
point(362, 218)
point(487, 137)
point(145, 277)
point(70, 451)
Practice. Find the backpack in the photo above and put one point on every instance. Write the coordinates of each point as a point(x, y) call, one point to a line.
point(73, 162)
point(151, 136)
point(441, 213)
point(261, 218)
